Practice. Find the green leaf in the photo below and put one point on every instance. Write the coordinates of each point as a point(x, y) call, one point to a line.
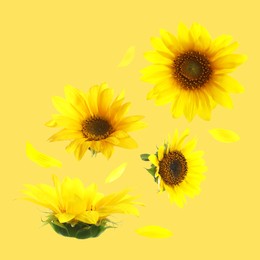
point(145, 156)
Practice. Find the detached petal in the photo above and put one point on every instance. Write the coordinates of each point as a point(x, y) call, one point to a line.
point(128, 57)
point(116, 173)
point(154, 232)
point(224, 135)
point(40, 158)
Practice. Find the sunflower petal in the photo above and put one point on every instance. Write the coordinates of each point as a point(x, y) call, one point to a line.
point(221, 96)
point(128, 142)
point(224, 135)
point(64, 217)
point(156, 58)
point(66, 134)
point(128, 57)
point(116, 173)
point(77, 100)
point(170, 42)
point(229, 84)
point(153, 159)
point(51, 123)
point(161, 152)
point(89, 217)
point(154, 232)
point(40, 158)
point(65, 108)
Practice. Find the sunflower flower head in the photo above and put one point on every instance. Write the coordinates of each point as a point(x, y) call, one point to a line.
point(177, 168)
point(78, 211)
point(94, 121)
point(190, 71)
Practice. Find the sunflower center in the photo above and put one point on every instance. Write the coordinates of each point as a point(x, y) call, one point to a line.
point(192, 70)
point(96, 128)
point(173, 168)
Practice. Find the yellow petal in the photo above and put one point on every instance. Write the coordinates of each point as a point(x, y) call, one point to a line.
point(128, 142)
point(228, 83)
point(116, 173)
point(161, 152)
point(154, 232)
point(89, 217)
point(107, 149)
point(64, 217)
point(66, 108)
point(66, 134)
point(51, 123)
point(156, 58)
point(40, 158)
point(224, 135)
point(153, 159)
point(128, 57)
point(221, 96)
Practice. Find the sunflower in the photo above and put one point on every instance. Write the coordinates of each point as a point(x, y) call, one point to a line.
point(191, 71)
point(78, 211)
point(93, 121)
point(177, 168)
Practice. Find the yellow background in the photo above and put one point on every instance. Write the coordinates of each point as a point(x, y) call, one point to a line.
point(46, 45)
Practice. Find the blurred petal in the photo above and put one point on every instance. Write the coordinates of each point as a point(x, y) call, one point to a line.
point(40, 158)
point(154, 232)
point(128, 57)
point(51, 123)
point(224, 135)
point(116, 173)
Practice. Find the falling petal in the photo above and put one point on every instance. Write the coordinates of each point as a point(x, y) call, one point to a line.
point(51, 123)
point(224, 136)
point(154, 232)
point(40, 158)
point(128, 57)
point(116, 173)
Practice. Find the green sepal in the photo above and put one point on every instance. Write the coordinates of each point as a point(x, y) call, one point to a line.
point(145, 156)
point(79, 231)
point(152, 171)
point(93, 152)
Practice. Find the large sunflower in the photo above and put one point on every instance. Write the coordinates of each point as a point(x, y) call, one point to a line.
point(177, 168)
point(78, 211)
point(94, 121)
point(191, 71)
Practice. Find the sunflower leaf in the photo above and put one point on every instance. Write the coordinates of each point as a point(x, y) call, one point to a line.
point(145, 156)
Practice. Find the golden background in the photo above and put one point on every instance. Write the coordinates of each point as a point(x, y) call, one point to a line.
point(46, 45)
